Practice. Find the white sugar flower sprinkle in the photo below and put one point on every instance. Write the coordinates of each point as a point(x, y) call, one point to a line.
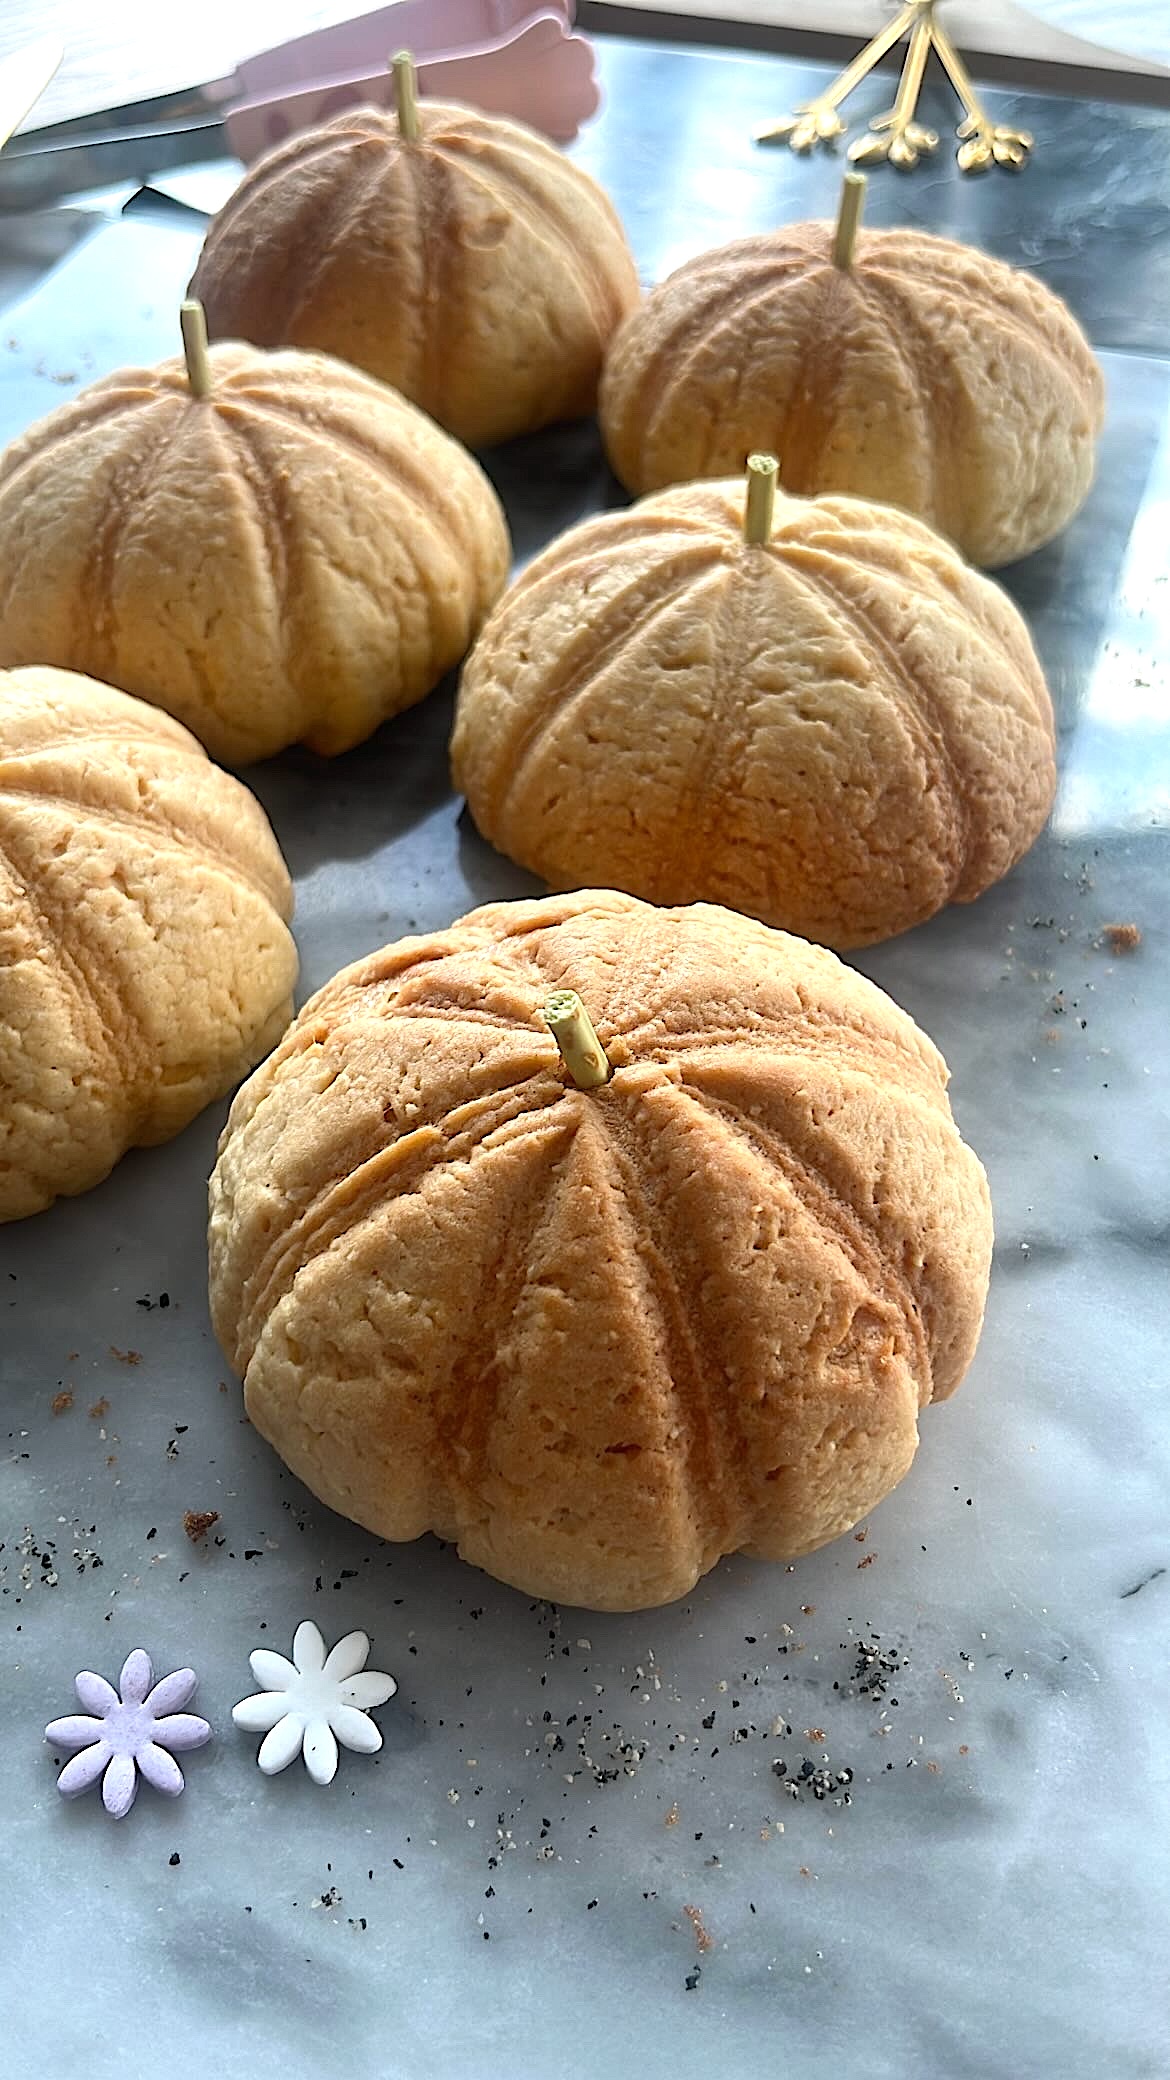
point(312, 1702)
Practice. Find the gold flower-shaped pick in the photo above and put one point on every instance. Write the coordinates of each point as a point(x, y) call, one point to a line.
point(897, 136)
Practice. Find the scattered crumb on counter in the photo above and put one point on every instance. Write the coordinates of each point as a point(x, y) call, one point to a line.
point(1122, 938)
point(62, 1401)
point(99, 1409)
point(125, 1357)
point(703, 1938)
point(198, 1522)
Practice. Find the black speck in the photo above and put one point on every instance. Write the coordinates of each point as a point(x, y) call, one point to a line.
point(173, 1860)
point(1146, 1579)
point(691, 1982)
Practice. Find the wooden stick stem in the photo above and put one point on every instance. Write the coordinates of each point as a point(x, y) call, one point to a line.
point(573, 1030)
point(194, 328)
point(848, 218)
point(762, 471)
point(406, 95)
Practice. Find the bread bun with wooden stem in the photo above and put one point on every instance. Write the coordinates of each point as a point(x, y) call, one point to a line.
point(599, 1322)
point(837, 726)
point(272, 547)
point(463, 259)
point(924, 374)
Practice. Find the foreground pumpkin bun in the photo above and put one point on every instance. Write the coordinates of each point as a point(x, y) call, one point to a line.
point(145, 957)
point(599, 1332)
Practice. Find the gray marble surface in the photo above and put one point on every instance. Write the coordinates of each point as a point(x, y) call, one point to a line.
point(485, 1899)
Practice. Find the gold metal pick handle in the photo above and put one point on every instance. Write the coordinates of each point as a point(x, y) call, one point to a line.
point(896, 136)
point(817, 122)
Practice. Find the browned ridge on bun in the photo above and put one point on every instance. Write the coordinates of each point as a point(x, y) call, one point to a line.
point(840, 729)
point(145, 956)
point(476, 267)
point(926, 375)
point(602, 1336)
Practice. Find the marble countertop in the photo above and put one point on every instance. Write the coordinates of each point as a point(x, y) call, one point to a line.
point(573, 1858)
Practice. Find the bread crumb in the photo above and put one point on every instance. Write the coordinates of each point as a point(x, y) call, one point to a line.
point(60, 1402)
point(125, 1357)
point(671, 1819)
point(1122, 938)
point(198, 1522)
point(99, 1409)
point(703, 1938)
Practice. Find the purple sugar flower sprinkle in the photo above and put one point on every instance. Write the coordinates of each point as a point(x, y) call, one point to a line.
point(139, 1731)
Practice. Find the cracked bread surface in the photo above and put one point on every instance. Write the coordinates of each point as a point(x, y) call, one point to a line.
point(599, 1338)
point(145, 957)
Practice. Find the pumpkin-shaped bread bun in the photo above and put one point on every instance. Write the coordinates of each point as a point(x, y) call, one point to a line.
point(599, 1336)
point(838, 729)
point(290, 557)
point(145, 957)
point(925, 374)
point(471, 265)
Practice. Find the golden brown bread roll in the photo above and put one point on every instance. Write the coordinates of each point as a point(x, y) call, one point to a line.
point(839, 732)
point(292, 558)
point(599, 1337)
point(927, 375)
point(475, 267)
point(145, 956)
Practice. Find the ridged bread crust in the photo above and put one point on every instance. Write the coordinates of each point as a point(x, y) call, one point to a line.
point(477, 269)
point(599, 1337)
point(839, 732)
point(927, 375)
point(145, 956)
point(291, 559)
